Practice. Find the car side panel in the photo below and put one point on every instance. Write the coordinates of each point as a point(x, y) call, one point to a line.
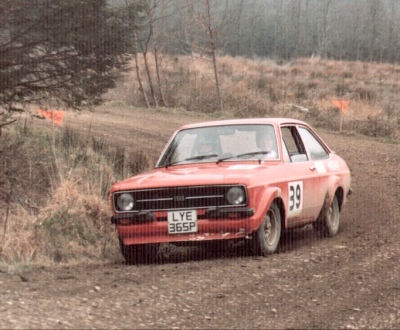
point(300, 192)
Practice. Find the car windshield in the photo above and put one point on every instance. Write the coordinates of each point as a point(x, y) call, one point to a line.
point(220, 144)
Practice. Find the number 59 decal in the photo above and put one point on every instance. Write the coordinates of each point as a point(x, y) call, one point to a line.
point(295, 190)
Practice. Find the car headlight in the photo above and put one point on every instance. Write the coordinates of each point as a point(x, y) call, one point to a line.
point(235, 196)
point(125, 202)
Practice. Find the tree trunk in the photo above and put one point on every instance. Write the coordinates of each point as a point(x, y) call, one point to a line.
point(159, 85)
point(278, 29)
point(296, 14)
point(146, 65)
point(137, 68)
point(214, 55)
point(325, 29)
point(390, 41)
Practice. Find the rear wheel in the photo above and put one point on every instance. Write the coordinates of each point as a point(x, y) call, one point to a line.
point(268, 235)
point(329, 224)
point(139, 254)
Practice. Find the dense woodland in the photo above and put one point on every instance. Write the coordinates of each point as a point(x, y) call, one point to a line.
point(365, 30)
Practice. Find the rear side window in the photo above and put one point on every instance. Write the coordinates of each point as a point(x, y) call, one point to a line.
point(314, 147)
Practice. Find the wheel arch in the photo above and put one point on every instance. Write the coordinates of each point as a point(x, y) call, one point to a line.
point(282, 210)
point(339, 193)
point(337, 190)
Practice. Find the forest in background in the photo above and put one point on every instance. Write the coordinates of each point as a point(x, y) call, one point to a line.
point(362, 30)
point(70, 53)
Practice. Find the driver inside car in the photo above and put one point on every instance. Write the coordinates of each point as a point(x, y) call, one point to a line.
point(266, 142)
point(206, 146)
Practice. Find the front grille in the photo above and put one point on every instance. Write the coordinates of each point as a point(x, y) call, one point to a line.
point(179, 198)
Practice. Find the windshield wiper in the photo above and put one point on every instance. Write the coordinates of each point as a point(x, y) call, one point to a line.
point(200, 157)
point(255, 153)
point(245, 155)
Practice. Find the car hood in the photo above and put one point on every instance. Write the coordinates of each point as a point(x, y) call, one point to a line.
point(203, 174)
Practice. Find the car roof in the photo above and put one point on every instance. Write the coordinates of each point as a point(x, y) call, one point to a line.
point(248, 121)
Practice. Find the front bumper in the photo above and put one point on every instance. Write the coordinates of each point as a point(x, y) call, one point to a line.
point(212, 224)
point(211, 214)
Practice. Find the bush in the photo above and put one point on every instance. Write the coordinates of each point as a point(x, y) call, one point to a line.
point(54, 204)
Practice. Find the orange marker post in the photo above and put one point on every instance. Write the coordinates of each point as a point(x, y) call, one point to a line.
point(342, 105)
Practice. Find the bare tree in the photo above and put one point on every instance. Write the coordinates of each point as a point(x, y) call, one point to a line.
point(238, 26)
point(304, 46)
point(325, 29)
point(375, 20)
point(149, 38)
point(159, 29)
point(391, 31)
point(138, 74)
point(278, 7)
point(131, 12)
point(208, 26)
point(144, 42)
point(208, 45)
point(296, 19)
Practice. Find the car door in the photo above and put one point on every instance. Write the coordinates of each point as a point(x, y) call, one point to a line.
point(302, 191)
point(318, 154)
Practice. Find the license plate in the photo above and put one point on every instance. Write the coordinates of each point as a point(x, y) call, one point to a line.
point(181, 222)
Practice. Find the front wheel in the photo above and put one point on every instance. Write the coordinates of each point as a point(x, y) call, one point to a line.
point(268, 235)
point(329, 224)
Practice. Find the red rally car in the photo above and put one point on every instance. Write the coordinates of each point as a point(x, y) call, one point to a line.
point(247, 179)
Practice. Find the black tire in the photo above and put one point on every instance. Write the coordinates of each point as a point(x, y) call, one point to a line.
point(266, 238)
point(139, 254)
point(328, 225)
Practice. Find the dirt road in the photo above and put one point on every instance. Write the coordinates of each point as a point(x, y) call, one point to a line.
point(350, 281)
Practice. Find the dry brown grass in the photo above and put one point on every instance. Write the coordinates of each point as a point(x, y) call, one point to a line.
point(18, 240)
point(263, 87)
point(65, 218)
point(74, 224)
